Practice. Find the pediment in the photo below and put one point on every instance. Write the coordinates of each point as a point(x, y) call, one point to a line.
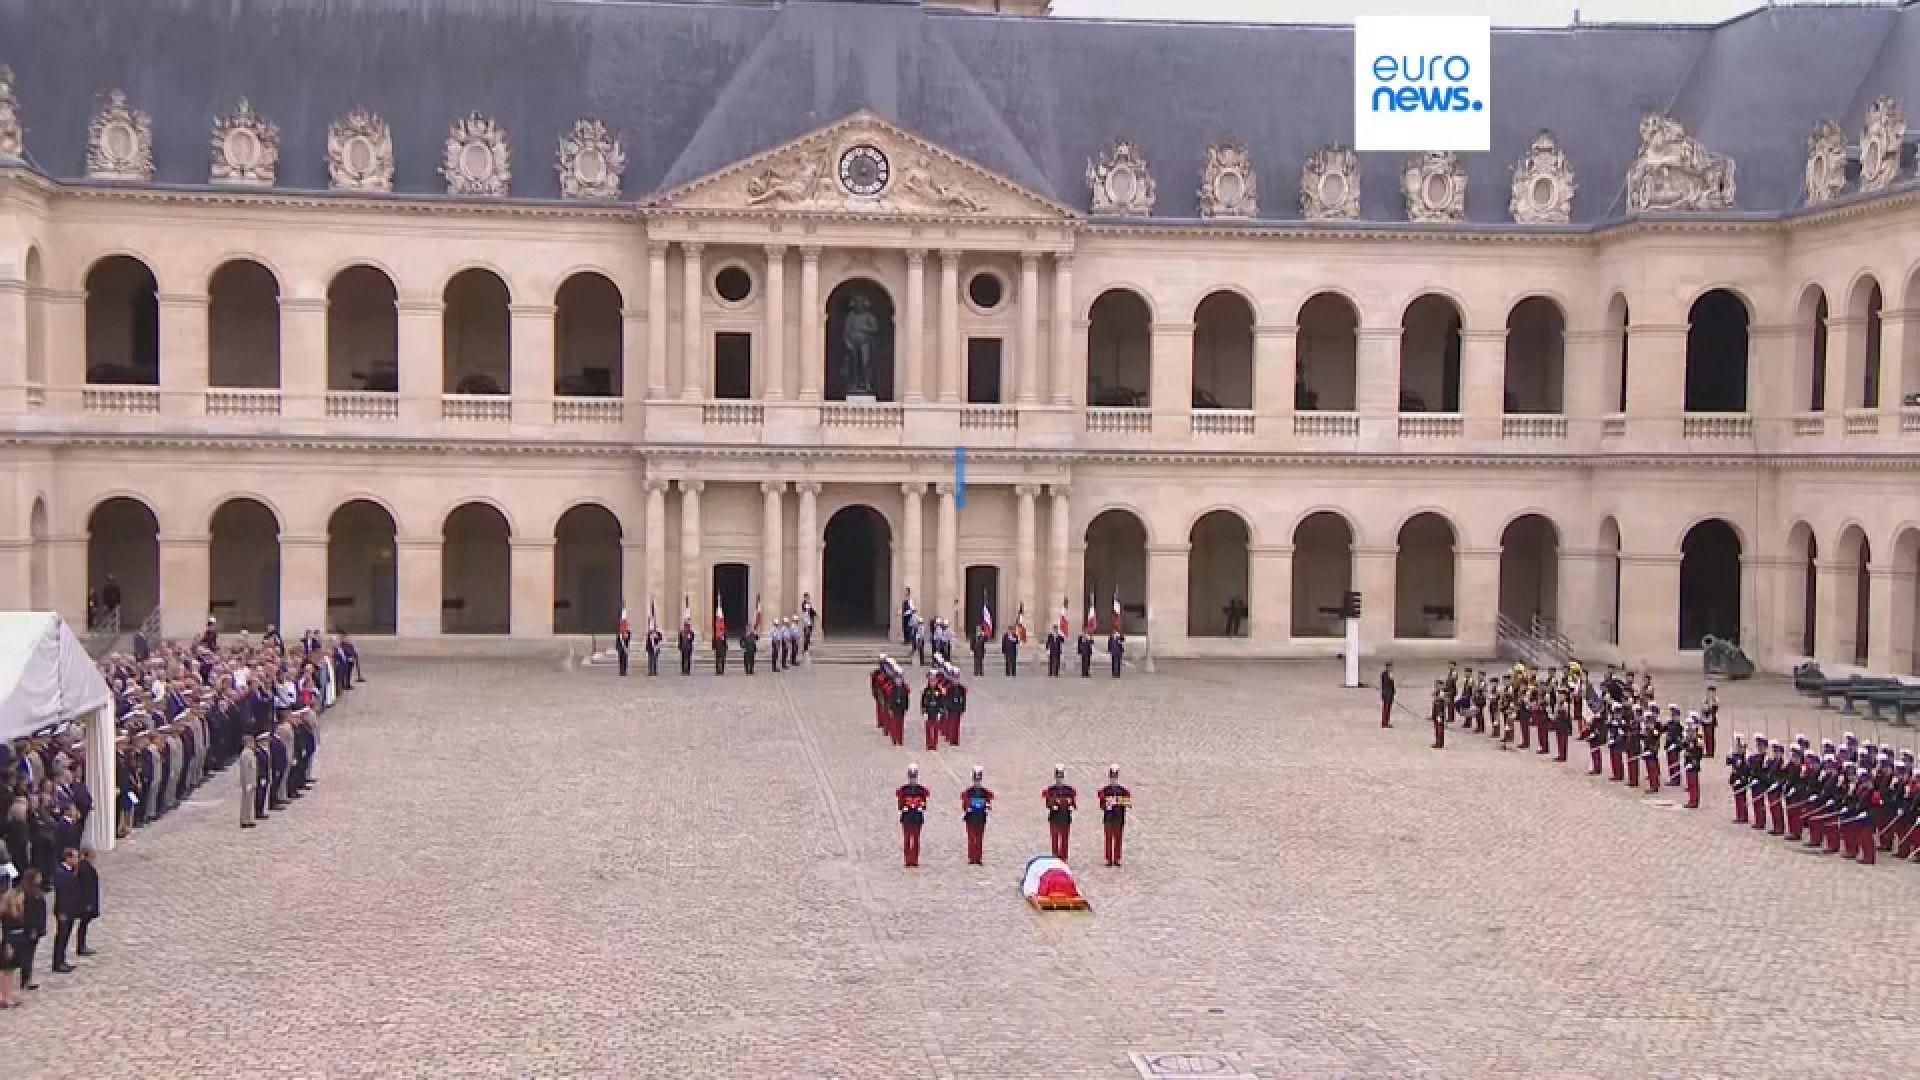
point(861, 165)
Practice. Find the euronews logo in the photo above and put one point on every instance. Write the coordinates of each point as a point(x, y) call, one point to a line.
point(1421, 83)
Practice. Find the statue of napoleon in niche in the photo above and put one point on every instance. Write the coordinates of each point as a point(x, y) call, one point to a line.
point(860, 336)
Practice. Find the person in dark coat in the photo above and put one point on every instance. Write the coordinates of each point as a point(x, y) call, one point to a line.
point(1117, 650)
point(686, 650)
point(1010, 651)
point(979, 652)
point(67, 907)
point(1085, 647)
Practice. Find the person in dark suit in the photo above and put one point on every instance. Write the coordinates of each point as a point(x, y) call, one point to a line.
point(686, 650)
point(1085, 648)
point(979, 652)
point(1117, 650)
point(1056, 644)
point(654, 640)
point(749, 645)
point(87, 875)
point(67, 907)
point(1010, 651)
point(719, 654)
point(623, 645)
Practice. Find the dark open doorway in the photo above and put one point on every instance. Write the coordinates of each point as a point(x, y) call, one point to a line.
point(983, 587)
point(859, 559)
point(730, 589)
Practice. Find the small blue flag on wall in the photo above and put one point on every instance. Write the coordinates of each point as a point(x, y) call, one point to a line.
point(960, 478)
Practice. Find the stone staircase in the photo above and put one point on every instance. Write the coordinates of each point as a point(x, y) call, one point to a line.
point(1537, 644)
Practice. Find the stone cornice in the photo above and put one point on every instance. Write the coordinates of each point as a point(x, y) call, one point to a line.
point(444, 205)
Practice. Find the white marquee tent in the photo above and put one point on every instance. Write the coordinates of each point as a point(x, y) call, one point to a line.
point(47, 678)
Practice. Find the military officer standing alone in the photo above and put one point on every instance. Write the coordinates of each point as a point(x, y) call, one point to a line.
point(720, 654)
point(976, 803)
point(911, 798)
point(1439, 715)
point(749, 645)
point(1060, 800)
point(1114, 800)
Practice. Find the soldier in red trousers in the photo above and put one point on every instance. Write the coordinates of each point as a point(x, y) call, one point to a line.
point(877, 681)
point(1060, 800)
point(1114, 800)
point(911, 797)
point(975, 804)
point(1694, 752)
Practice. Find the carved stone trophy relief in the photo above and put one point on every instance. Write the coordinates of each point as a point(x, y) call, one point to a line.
point(1330, 185)
point(1227, 186)
point(1673, 171)
point(1826, 171)
point(478, 161)
point(1881, 143)
point(590, 161)
point(120, 142)
point(1120, 182)
point(360, 152)
point(1543, 186)
point(13, 140)
point(246, 149)
point(1435, 186)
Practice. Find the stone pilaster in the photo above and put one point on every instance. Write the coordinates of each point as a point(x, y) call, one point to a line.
point(773, 518)
point(183, 356)
point(1026, 542)
point(656, 319)
point(185, 583)
point(420, 569)
point(1028, 349)
point(1270, 589)
point(773, 344)
point(913, 542)
point(693, 343)
point(532, 587)
point(303, 585)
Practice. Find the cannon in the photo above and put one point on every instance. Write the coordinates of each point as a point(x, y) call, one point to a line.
point(1721, 657)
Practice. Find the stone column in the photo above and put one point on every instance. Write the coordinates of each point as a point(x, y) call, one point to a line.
point(1483, 378)
point(773, 537)
point(946, 598)
point(1170, 384)
point(656, 319)
point(1374, 579)
point(1377, 388)
point(1270, 600)
point(693, 345)
point(949, 326)
point(1895, 325)
point(634, 584)
point(1062, 361)
point(185, 585)
point(1657, 387)
point(913, 379)
point(303, 357)
point(303, 584)
point(67, 577)
point(773, 351)
point(1476, 599)
point(1029, 347)
point(812, 342)
point(1583, 397)
point(655, 574)
point(13, 346)
point(1275, 361)
point(1578, 598)
point(1833, 625)
point(1649, 611)
point(1890, 623)
point(1167, 597)
point(633, 358)
point(420, 559)
point(530, 361)
point(692, 568)
point(183, 357)
point(1026, 542)
point(807, 543)
point(1059, 526)
point(420, 332)
point(913, 544)
point(532, 595)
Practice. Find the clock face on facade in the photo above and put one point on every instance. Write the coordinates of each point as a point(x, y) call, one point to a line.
point(863, 170)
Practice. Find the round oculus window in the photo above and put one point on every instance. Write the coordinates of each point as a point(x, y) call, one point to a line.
point(733, 284)
point(985, 291)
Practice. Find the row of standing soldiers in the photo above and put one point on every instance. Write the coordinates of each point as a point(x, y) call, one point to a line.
point(1853, 799)
point(976, 802)
point(943, 702)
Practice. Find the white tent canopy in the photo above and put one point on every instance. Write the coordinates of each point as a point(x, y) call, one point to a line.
point(47, 678)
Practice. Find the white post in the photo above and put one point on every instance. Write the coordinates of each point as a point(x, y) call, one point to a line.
point(1353, 654)
point(101, 781)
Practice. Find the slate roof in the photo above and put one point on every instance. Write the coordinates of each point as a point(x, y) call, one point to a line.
point(693, 87)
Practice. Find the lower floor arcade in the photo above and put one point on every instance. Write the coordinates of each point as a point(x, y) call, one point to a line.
point(1213, 561)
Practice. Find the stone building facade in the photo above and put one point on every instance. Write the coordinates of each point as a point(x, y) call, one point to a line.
point(1642, 374)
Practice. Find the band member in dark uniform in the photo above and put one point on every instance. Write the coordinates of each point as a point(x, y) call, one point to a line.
point(1562, 726)
point(686, 650)
point(1085, 648)
point(1056, 644)
point(1114, 801)
point(976, 802)
point(1595, 736)
point(1438, 714)
point(956, 704)
point(899, 702)
point(1060, 800)
point(1386, 694)
point(1692, 755)
point(911, 798)
point(1451, 684)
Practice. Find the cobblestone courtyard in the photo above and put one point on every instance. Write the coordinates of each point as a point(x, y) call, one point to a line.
point(510, 871)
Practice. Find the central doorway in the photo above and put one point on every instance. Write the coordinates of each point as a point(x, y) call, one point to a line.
point(983, 591)
point(859, 560)
point(730, 589)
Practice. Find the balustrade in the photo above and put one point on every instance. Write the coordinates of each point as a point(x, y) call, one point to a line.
point(989, 418)
point(1432, 425)
point(847, 415)
point(1716, 426)
point(476, 408)
point(362, 405)
point(588, 410)
point(1223, 421)
point(1119, 420)
point(121, 400)
point(1322, 425)
point(1809, 425)
point(1863, 421)
point(1533, 426)
point(227, 401)
point(733, 413)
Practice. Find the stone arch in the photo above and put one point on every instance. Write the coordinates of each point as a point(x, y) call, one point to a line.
point(1218, 566)
point(1116, 564)
point(1120, 349)
point(1619, 343)
point(1430, 344)
point(1607, 565)
point(476, 570)
point(1854, 597)
point(123, 558)
point(1802, 593)
point(856, 567)
point(1865, 303)
point(839, 379)
point(588, 584)
point(362, 567)
point(1536, 351)
point(513, 527)
point(1223, 351)
point(1323, 545)
point(1327, 343)
point(1810, 346)
point(39, 591)
point(588, 336)
point(363, 330)
point(1719, 326)
point(476, 351)
point(1904, 654)
point(1710, 576)
point(36, 318)
point(243, 326)
point(123, 322)
point(1427, 546)
point(243, 559)
point(1530, 570)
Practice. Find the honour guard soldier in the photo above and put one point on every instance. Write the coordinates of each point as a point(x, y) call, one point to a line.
point(654, 639)
point(1010, 651)
point(956, 704)
point(1776, 789)
point(249, 782)
point(806, 622)
point(932, 706)
point(1562, 725)
point(1056, 643)
point(1650, 754)
point(877, 680)
point(899, 703)
point(623, 642)
point(1595, 737)
point(1693, 754)
point(979, 651)
point(1451, 686)
point(1631, 747)
point(1386, 694)
point(911, 797)
point(1438, 714)
point(1710, 717)
point(1737, 778)
point(1759, 779)
point(1675, 738)
point(686, 650)
point(1114, 801)
point(1060, 800)
point(720, 653)
point(976, 802)
point(1085, 648)
point(1116, 649)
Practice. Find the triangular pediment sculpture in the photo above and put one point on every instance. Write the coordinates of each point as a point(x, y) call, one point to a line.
point(860, 165)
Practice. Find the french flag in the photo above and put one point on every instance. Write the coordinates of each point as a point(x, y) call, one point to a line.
point(1116, 609)
point(626, 629)
point(1093, 620)
point(986, 620)
point(686, 614)
point(1065, 626)
point(719, 620)
point(653, 619)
